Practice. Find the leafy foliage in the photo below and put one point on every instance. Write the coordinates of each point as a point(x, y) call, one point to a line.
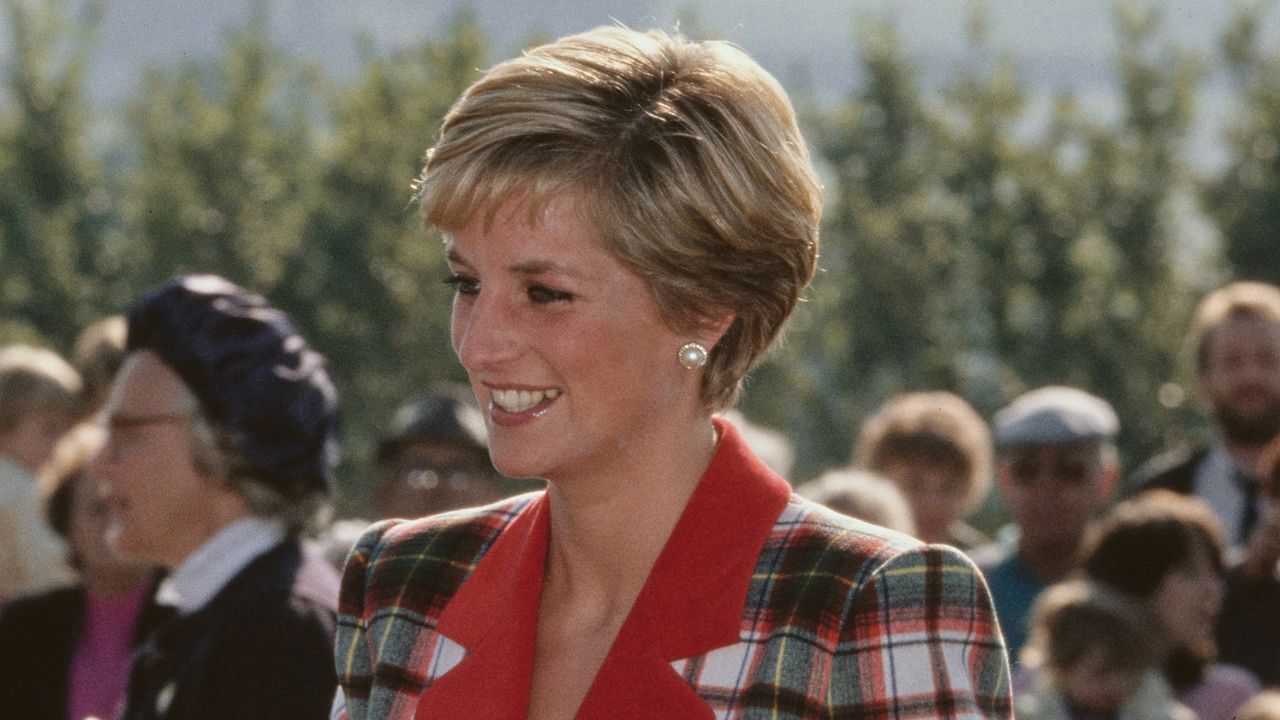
point(973, 241)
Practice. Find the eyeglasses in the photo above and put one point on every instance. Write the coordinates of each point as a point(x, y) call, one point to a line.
point(123, 422)
point(425, 478)
point(1026, 471)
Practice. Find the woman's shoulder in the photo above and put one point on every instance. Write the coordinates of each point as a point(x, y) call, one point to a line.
point(818, 547)
point(823, 556)
point(1225, 679)
point(443, 548)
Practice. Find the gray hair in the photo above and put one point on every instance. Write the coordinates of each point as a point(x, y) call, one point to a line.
point(216, 451)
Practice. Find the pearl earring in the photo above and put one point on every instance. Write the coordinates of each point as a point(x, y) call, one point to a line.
point(692, 355)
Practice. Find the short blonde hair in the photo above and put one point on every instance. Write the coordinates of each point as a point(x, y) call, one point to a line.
point(686, 157)
point(35, 380)
point(1239, 300)
point(930, 427)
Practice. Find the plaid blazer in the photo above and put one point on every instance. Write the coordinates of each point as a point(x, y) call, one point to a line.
point(761, 605)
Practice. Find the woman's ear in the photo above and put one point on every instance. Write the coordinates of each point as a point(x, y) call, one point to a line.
point(712, 327)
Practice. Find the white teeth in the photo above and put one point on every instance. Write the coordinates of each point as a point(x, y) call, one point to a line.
point(521, 400)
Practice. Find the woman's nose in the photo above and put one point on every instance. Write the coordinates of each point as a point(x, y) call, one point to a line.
point(486, 332)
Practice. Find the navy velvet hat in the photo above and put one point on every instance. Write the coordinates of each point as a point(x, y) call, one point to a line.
point(252, 374)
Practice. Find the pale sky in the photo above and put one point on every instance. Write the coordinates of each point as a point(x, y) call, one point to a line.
point(1057, 44)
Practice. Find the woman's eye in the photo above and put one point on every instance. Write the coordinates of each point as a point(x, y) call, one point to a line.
point(463, 285)
point(542, 294)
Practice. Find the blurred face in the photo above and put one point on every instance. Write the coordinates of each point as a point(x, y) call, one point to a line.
point(89, 521)
point(1053, 491)
point(425, 478)
point(1241, 379)
point(31, 441)
point(936, 493)
point(1187, 603)
point(1092, 684)
point(564, 347)
point(161, 507)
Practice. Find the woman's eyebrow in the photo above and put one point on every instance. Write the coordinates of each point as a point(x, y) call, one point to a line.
point(544, 267)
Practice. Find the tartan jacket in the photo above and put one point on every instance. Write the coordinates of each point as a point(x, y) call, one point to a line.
point(761, 605)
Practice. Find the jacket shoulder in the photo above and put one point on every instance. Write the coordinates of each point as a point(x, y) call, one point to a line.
point(398, 579)
point(815, 559)
point(863, 599)
point(817, 555)
point(428, 557)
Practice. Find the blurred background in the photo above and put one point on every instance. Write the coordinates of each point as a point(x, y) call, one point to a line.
point(1019, 192)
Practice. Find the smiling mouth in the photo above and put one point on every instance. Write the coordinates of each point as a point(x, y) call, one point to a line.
point(516, 401)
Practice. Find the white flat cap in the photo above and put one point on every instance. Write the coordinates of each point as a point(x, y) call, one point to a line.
point(1055, 415)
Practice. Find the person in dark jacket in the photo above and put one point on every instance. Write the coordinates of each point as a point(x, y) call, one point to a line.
point(64, 653)
point(221, 441)
point(1248, 633)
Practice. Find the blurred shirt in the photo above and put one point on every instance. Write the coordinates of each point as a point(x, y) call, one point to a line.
point(32, 556)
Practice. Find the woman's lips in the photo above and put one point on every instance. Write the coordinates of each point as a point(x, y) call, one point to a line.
point(512, 406)
point(518, 401)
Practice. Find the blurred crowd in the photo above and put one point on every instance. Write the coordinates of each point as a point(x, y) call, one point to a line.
point(1151, 592)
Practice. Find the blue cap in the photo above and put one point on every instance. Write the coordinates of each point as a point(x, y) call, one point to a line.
point(1055, 415)
point(252, 374)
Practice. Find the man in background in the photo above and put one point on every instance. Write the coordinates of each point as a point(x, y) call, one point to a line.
point(434, 457)
point(1236, 337)
point(1057, 466)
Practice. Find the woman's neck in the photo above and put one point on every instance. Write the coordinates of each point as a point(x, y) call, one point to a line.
point(607, 531)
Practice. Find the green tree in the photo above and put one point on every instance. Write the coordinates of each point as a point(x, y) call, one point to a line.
point(225, 166)
point(962, 252)
point(1244, 198)
point(54, 207)
point(369, 283)
point(1126, 310)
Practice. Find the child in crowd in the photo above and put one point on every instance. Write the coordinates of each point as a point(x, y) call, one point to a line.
point(935, 447)
point(39, 401)
point(1091, 657)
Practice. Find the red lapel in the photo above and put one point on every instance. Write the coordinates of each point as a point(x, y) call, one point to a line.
point(494, 616)
point(691, 603)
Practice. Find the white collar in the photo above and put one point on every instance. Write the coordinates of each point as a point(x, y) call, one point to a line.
point(214, 564)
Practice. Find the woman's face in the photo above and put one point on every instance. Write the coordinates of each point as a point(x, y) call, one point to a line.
point(565, 349)
point(1187, 602)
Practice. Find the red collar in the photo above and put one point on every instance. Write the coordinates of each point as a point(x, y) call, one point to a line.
point(691, 603)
